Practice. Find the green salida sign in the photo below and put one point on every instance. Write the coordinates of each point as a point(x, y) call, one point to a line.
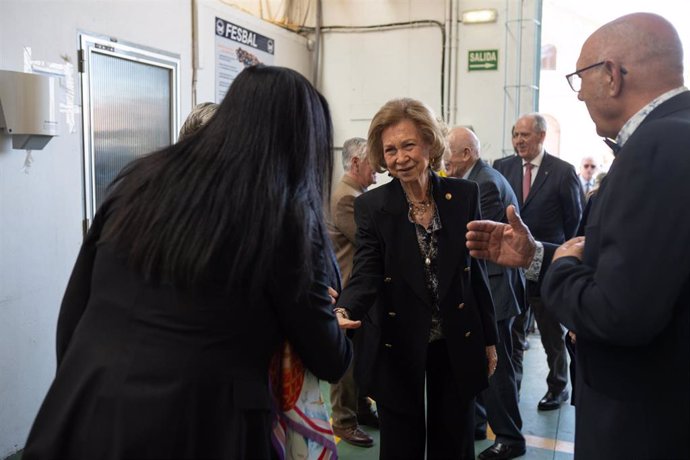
point(482, 60)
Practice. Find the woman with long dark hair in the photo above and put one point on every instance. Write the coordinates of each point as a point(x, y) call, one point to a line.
point(204, 258)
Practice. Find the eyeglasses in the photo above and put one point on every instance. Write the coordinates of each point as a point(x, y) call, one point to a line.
point(576, 83)
point(590, 166)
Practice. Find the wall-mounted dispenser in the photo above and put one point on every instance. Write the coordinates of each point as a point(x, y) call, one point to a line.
point(28, 109)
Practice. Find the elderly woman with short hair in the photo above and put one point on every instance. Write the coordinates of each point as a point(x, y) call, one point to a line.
point(424, 305)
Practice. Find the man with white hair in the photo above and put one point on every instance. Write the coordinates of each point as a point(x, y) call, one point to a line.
point(624, 288)
point(349, 409)
point(551, 204)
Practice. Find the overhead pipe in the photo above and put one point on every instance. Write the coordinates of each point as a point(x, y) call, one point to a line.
point(316, 58)
point(454, 50)
point(445, 70)
point(195, 55)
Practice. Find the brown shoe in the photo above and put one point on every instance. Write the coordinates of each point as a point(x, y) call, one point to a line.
point(354, 435)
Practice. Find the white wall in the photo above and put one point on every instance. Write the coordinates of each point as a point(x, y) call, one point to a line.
point(491, 100)
point(41, 212)
point(361, 71)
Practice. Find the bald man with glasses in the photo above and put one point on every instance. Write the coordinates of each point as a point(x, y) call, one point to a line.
point(624, 288)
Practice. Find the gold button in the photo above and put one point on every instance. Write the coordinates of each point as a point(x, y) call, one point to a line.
point(466, 269)
point(461, 306)
point(448, 196)
point(388, 345)
point(391, 313)
point(467, 334)
point(387, 279)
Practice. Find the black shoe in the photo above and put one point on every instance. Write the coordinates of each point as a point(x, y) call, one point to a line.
point(552, 401)
point(366, 413)
point(479, 435)
point(354, 435)
point(369, 418)
point(500, 451)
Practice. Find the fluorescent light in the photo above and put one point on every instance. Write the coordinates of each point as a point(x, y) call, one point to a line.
point(479, 16)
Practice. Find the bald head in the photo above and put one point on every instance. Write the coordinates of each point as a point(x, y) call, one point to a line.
point(464, 151)
point(642, 58)
point(642, 42)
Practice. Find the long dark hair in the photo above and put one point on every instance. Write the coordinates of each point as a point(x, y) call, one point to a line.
point(244, 194)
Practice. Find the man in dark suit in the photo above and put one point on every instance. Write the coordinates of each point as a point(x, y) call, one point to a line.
point(499, 403)
point(524, 322)
point(625, 287)
point(551, 199)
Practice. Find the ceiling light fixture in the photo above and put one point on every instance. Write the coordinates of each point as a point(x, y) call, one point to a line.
point(479, 16)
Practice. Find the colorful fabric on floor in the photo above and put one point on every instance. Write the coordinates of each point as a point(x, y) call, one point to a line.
point(301, 426)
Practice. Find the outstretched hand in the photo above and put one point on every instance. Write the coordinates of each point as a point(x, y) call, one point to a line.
point(510, 245)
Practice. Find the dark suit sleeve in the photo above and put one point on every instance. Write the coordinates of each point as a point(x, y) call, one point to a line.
point(491, 209)
point(78, 288)
point(639, 245)
point(571, 201)
point(491, 203)
point(312, 329)
point(365, 282)
point(485, 304)
point(480, 287)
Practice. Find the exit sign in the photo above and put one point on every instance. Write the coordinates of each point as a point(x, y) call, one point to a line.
point(482, 60)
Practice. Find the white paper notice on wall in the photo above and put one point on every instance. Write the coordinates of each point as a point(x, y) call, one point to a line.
point(64, 71)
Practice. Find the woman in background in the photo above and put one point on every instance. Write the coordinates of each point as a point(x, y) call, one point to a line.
point(432, 322)
point(198, 117)
point(195, 270)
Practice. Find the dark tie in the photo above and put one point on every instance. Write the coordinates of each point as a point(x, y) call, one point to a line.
point(527, 181)
point(612, 144)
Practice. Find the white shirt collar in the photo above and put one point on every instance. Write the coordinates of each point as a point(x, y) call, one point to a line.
point(586, 182)
point(536, 161)
point(634, 122)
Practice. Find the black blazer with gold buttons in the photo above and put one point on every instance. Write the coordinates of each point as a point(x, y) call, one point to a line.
point(387, 291)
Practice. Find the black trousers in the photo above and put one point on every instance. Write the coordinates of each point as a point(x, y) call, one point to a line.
point(499, 403)
point(521, 327)
point(553, 339)
point(448, 428)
